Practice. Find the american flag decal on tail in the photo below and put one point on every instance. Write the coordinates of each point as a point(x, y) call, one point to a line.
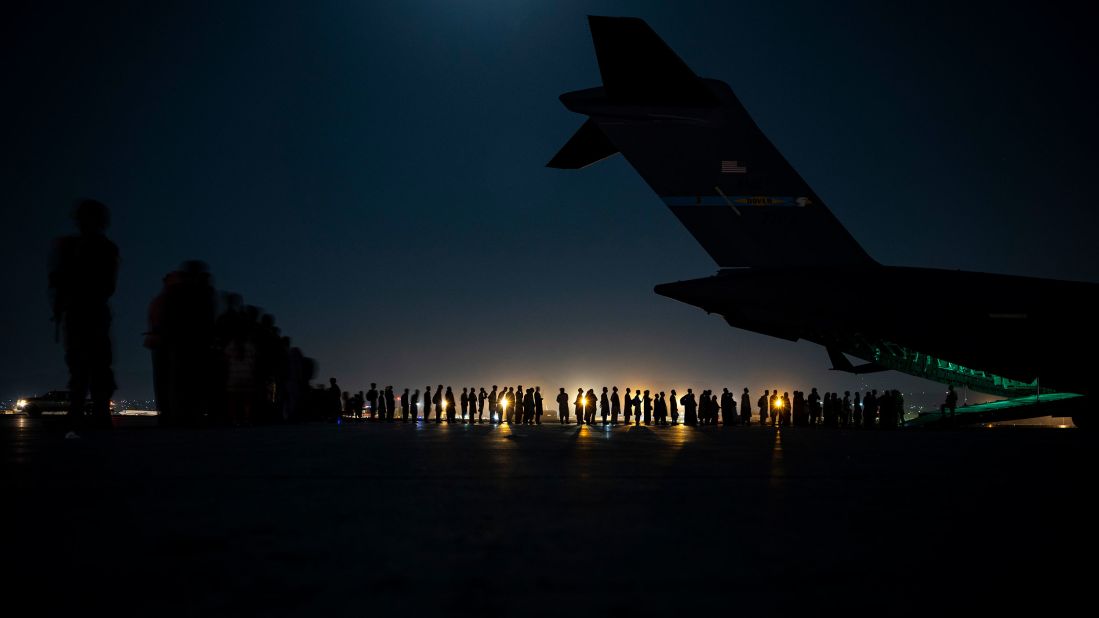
point(731, 167)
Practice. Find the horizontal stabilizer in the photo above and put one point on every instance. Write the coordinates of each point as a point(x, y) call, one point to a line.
point(840, 363)
point(638, 67)
point(588, 145)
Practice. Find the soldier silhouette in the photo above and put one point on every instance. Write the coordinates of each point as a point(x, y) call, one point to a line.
point(950, 404)
point(83, 276)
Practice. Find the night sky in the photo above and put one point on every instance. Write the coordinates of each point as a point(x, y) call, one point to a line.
point(373, 174)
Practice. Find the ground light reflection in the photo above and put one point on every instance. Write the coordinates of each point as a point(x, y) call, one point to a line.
point(777, 468)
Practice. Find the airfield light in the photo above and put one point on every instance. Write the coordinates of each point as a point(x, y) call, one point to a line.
point(19, 405)
point(778, 403)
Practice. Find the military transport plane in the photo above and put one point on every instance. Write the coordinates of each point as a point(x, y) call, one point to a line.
point(691, 140)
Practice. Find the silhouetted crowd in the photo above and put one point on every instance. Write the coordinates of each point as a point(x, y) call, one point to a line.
point(227, 362)
point(223, 362)
point(525, 406)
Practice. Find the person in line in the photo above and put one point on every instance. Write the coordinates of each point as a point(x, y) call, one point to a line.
point(762, 404)
point(449, 405)
point(563, 407)
point(690, 417)
point(372, 399)
point(746, 408)
point(856, 411)
point(870, 409)
point(357, 401)
point(814, 406)
point(240, 385)
point(414, 404)
point(538, 405)
point(464, 402)
point(334, 406)
point(616, 406)
point(626, 412)
point(648, 402)
point(528, 407)
point(438, 403)
point(383, 410)
point(482, 396)
point(637, 407)
point(950, 404)
point(391, 403)
point(493, 402)
point(589, 416)
point(673, 407)
point(604, 406)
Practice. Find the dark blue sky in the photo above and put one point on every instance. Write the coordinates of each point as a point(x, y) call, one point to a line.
point(374, 174)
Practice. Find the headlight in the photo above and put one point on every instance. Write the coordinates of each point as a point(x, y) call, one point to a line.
point(19, 405)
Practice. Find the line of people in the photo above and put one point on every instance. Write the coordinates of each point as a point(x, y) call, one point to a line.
point(216, 364)
point(525, 406)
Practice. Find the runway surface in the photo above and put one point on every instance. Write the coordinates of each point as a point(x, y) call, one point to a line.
point(492, 521)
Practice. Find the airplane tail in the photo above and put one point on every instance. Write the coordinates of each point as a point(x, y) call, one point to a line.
point(694, 143)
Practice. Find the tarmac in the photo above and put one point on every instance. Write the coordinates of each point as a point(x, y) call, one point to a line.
point(485, 520)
